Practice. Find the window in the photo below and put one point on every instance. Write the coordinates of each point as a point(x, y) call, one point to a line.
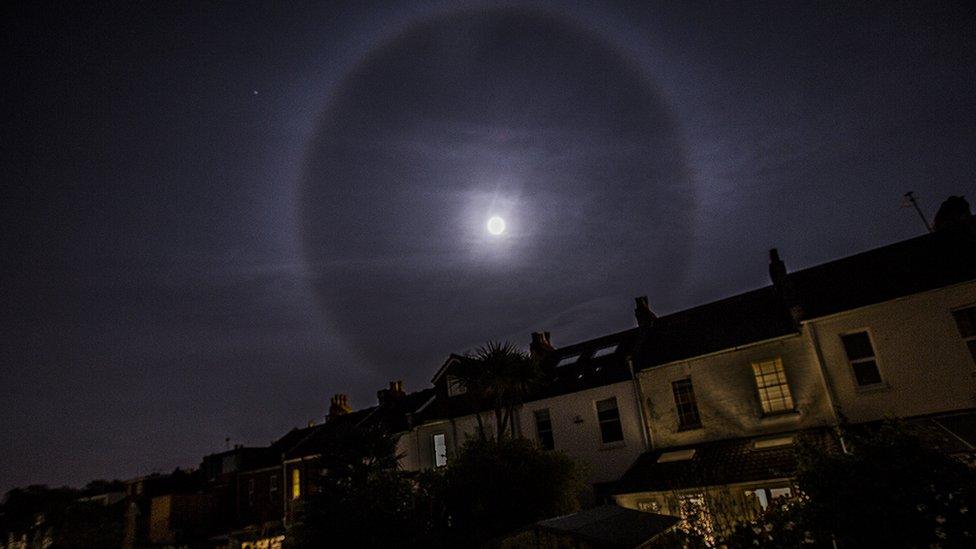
point(273, 485)
point(250, 491)
point(860, 353)
point(567, 360)
point(296, 484)
point(440, 450)
point(687, 406)
point(605, 351)
point(774, 442)
point(765, 496)
point(774, 391)
point(609, 417)
point(455, 386)
point(543, 428)
point(676, 455)
point(966, 322)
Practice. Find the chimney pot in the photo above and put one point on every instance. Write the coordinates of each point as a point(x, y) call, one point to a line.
point(339, 405)
point(540, 345)
point(642, 311)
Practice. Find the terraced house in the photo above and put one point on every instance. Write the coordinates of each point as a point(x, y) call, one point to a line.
point(694, 412)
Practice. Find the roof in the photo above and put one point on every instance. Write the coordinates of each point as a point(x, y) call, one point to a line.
point(595, 363)
point(931, 261)
point(394, 414)
point(719, 462)
point(611, 526)
point(317, 436)
point(753, 316)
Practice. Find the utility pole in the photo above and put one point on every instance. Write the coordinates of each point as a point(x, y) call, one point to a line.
point(910, 198)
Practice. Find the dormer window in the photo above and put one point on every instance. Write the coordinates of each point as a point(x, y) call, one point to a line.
point(455, 386)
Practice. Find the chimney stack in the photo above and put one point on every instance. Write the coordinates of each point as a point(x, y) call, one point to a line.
point(385, 396)
point(540, 346)
point(777, 269)
point(784, 286)
point(645, 316)
point(954, 211)
point(339, 405)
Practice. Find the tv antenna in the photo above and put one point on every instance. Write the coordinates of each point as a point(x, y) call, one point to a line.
point(910, 200)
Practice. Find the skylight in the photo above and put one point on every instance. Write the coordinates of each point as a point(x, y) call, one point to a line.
point(605, 351)
point(566, 360)
point(777, 442)
point(677, 455)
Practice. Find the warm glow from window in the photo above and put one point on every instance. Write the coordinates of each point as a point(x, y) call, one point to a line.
point(296, 484)
point(774, 391)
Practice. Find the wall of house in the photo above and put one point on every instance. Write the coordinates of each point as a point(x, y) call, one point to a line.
point(925, 364)
point(265, 504)
point(417, 446)
point(728, 400)
point(576, 431)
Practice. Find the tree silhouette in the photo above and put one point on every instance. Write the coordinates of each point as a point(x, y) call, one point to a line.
point(497, 377)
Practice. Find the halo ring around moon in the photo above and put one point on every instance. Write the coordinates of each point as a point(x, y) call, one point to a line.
point(363, 255)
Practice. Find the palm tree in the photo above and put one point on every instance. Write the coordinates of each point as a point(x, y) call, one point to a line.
point(497, 376)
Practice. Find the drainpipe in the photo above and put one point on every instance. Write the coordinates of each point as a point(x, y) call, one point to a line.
point(825, 379)
point(638, 396)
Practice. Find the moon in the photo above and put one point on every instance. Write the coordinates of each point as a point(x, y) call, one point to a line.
point(496, 225)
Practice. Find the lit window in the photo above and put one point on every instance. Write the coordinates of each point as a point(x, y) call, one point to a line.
point(765, 496)
point(440, 450)
point(860, 354)
point(567, 360)
point(543, 428)
point(296, 484)
point(609, 417)
point(686, 405)
point(605, 351)
point(966, 322)
point(455, 386)
point(774, 391)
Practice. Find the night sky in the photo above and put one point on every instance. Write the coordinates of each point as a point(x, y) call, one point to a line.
point(217, 216)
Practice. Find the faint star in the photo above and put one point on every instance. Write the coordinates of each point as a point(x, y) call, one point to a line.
point(255, 92)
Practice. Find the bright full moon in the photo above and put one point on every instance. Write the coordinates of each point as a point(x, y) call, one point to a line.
point(496, 225)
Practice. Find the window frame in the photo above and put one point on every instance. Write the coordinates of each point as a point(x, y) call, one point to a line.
point(880, 385)
point(966, 340)
point(296, 483)
point(539, 432)
point(759, 390)
point(682, 426)
point(437, 457)
point(601, 422)
point(272, 485)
